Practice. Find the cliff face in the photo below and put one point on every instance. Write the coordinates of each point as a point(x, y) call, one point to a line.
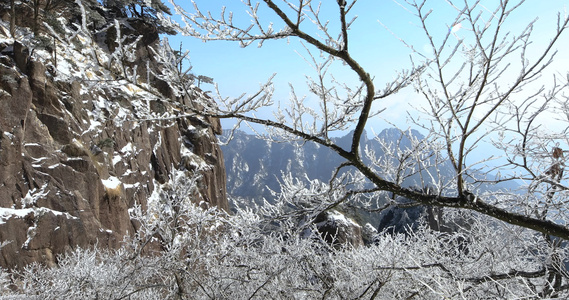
point(75, 155)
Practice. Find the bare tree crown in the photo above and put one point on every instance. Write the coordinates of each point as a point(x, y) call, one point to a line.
point(474, 87)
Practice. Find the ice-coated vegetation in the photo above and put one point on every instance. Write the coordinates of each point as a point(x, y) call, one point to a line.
point(480, 243)
point(184, 251)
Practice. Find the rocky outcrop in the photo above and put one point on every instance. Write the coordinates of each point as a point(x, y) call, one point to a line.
point(75, 157)
point(339, 230)
point(408, 219)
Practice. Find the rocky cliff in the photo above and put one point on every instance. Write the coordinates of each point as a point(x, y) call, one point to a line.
point(77, 151)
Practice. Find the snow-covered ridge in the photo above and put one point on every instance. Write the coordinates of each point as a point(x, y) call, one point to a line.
point(7, 213)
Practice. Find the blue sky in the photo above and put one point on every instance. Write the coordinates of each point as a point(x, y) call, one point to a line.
point(241, 70)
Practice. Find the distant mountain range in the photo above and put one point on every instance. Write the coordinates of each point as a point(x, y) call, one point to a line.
point(254, 166)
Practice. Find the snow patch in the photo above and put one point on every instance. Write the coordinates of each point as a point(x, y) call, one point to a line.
point(158, 142)
point(338, 218)
point(34, 195)
point(10, 136)
point(131, 186)
point(8, 213)
point(55, 166)
point(128, 172)
point(37, 162)
point(128, 149)
point(93, 127)
point(194, 160)
point(111, 183)
point(116, 158)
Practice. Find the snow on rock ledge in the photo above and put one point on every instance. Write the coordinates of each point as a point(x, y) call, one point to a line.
point(337, 229)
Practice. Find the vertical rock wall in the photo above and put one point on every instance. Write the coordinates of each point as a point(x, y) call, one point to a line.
point(69, 171)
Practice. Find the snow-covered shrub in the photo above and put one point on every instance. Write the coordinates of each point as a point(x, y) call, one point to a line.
point(184, 250)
